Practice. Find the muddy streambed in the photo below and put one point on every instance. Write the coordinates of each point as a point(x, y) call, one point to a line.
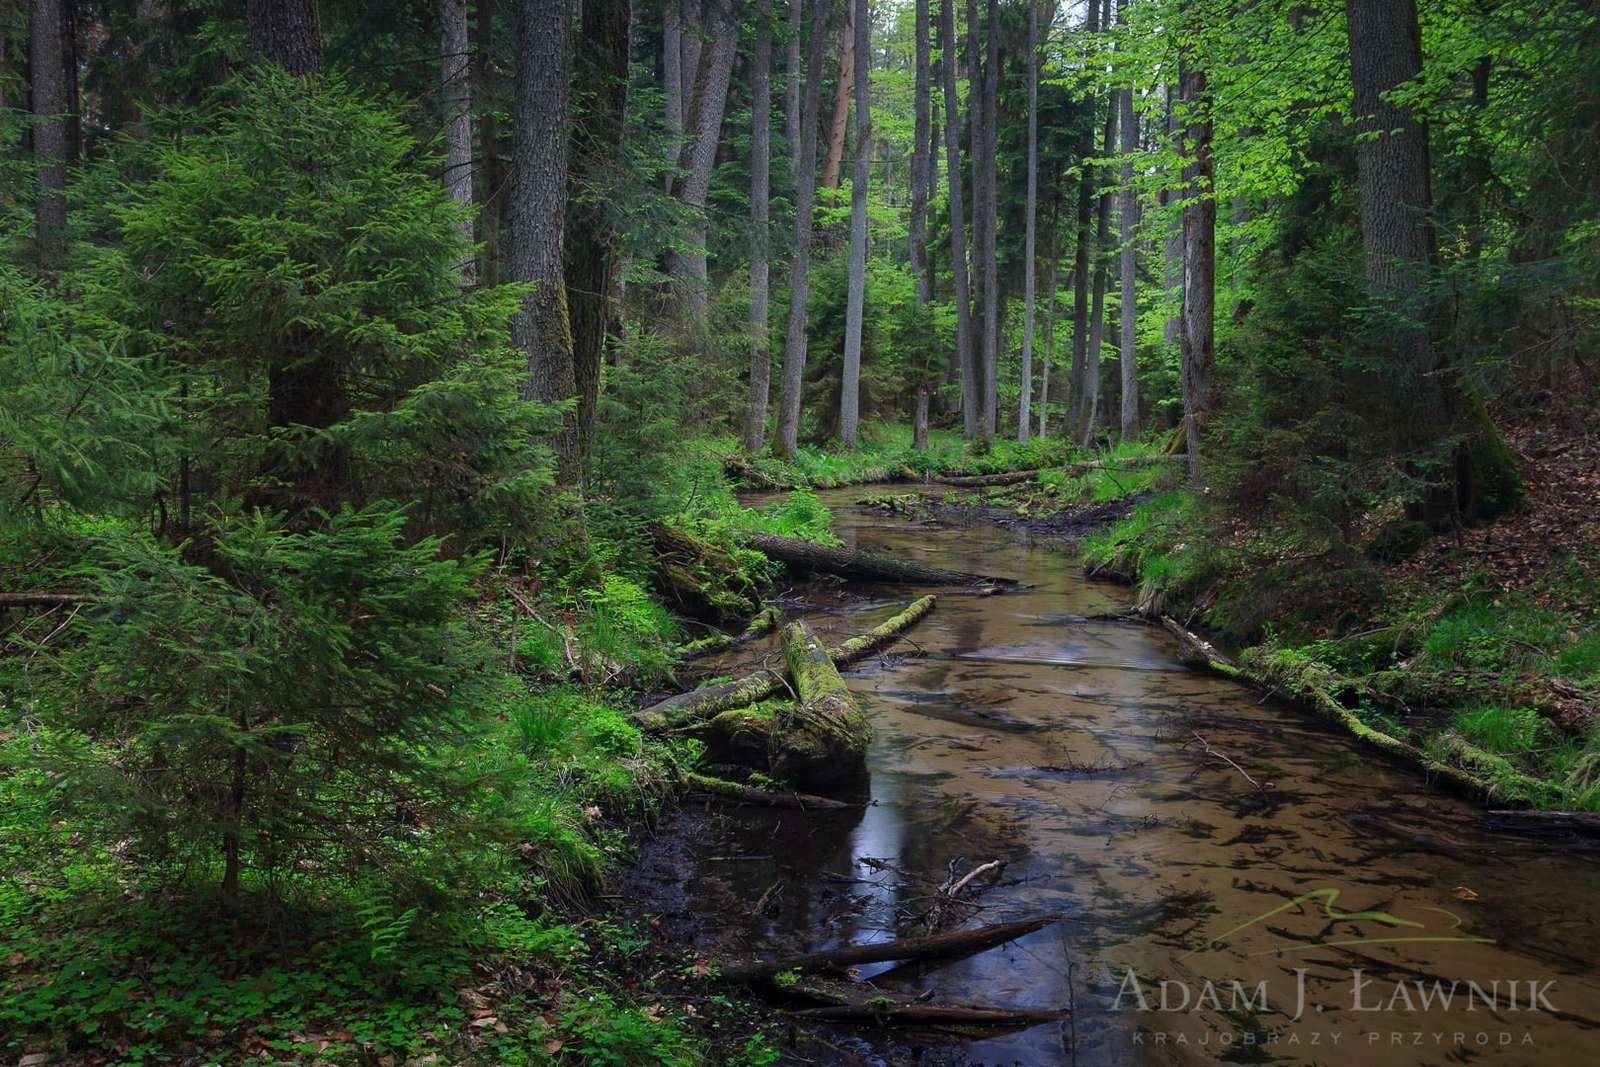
point(1334, 912)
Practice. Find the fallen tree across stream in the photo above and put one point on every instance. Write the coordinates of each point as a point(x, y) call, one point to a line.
point(822, 737)
point(862, 566)
point(954, 943)
point(711, 700)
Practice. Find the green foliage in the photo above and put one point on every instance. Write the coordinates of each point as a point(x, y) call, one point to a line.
point(1502, 729)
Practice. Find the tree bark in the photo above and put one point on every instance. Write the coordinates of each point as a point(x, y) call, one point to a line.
point(921, 162)
point(1030, 227)
point(672, 78)
point(285, 32)
point(991, 263)
point(965, 355)
point(1172, 252)
point(793, 77)
point(841, 100)
point(490, 210)
point(919, 420)
point(48, 76)
point(1050, 315)
point(1199, 265)
point(592, 236)
point(456, 94)
point(850, 386)
point(755, 418)
point(1127, 218)
point(794, 351)
point(1080, 256)
point(543, 329)
point(1089, 398)
point(702, 131)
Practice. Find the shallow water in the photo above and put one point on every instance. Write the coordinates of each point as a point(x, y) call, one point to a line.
point(1071, 750)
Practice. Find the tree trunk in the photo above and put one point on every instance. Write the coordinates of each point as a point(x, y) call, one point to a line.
point(919, 422)
point(691, 43)
point(285, 32)
point(921, 162)
point(48, 75)
point(702, 131)
point(542, 329)
point(1050, 315)
point(991, 264)
point(755, 418)
point(1199, 265)
point(792, 80)
point(1030, 220)
point(1127, 218)
point(490, 214)
point(1089, 406)
point(1080, 256)
point(794, 350)
point(850, 386)
point(1172, 252)
point(592, 231)
point(672, 80)
point(456, 95)
point(841, 99)
point(958, 227)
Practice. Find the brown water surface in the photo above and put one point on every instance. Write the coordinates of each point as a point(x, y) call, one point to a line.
point(1070, 749)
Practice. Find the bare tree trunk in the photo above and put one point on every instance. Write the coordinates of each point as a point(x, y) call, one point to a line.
point(841, 100)
point(755, 421)
point(1089, 409)
point(1396, 200)
point(691, 42)
point(672, 77)
point(991, 360)
point(456, 97)
point(958, 226)
point(47, 73)
point(1050, 321)
point(1080, 258)
point(919, 422)
point(1172, 252)
point(285, 32)
point(794, 351)
point(792, 79)
point(1199, 265)
point(1127, 218)
point(702, 130)
point(1030, 220)
point(490, 213)
point(850, 386)
point(542, 329)
point(592, 230)
point(921, 163)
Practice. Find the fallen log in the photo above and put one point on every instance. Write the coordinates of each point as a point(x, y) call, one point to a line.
point(763, 624)
point(822, 738)
point(1194, 651)
point(711, 700)
point(698, 578)
point(980, 480)
point(861, 566)
point(893, 1013)
point(909, 948)
point(748, 794)
point(739, 736)
point(1582, 823)
point(883, 634)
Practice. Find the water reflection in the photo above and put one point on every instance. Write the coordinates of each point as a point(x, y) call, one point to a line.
point(1077, 751)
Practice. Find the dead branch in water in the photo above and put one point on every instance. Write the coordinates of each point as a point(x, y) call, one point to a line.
point(1222, 757)
point(908, 948)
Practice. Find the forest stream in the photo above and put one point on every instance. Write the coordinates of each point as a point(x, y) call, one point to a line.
point(1191, 832)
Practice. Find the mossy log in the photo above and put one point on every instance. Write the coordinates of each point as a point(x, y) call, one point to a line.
point(740, 735)
point(766, 798)
point(884, 1012)
point(976, 481)
point(953, 943)
point(822, 738)
point(700, 579)
point(713, 699)
point(1313, 685)
point(806, 557)
point(764, 623)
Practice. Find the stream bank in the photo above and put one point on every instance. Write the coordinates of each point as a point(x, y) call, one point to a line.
point(1190, 831)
